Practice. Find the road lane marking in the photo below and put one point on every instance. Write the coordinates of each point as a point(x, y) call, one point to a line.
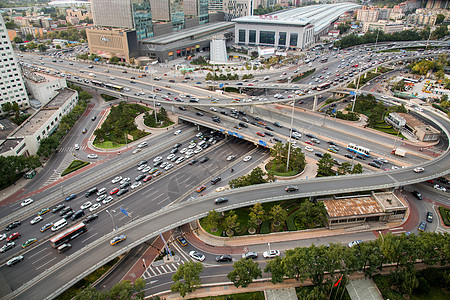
point(162, 267)
point(168, 267)
point(46, 263)
point(157, 269)
point(151, 269)
point(40, 258)
point(89, 237)
point(45, 249)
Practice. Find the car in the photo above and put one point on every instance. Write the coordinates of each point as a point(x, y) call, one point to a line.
point(100, 198)
point(95, 206)
point(3, 236)
point(153, 170)
point(231, 157)
point(142, 167)
point(58, 208)
point(68, 214)
point(204, 159)
point(36, 220)
point(419, 170)
point(14, 260)
point(309, 143)
point(124, 180)
point(271, 253)
point(147, 178)
point(193, 161)
point(90, 218)
point(84, 130)
point(113, 191)
point(29, 242)
point(200, 188)
point(441, 188)
point(215, 180)
point(220, 200)
point(121, 192)
point(177, 132)
point(137, 151)
point(92, 156)
point(26, 202)
point(77, 147)
point(179, 160)
point(417, 195)
point(319, 154)
point(86, 205)
point(250, 255)
point(168, 167)
point(157, 159)
point(422, 226)
point(7, 246)
point(146, 169)
point(277, 124)
point(197, 255)
point(117, 179)
point(308, 148)
point(182, 151)
point(43, 211)
point(247, 158)
point(429, 217)
point(136, 185)
point(164, 164)
point(46, 227)
point(107, 199)
point(70, 197)
point(354, 243)
point(13, 237)
point(12, 225)
point(224, 258)
point(117, 239)
point(171, 156)
point(314, 140)
point(182, 241)
point(291, 188)
point(157, 173)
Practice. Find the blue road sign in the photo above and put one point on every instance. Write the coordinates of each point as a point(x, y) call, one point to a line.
point(124, 211)
point(221, 85)
point(230, 132)
point(262, 143)
point(353, 93)
point(334, 110)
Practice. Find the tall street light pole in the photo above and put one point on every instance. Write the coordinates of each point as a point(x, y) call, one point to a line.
point(112, 218)
point(357, 87)
point(290, 135)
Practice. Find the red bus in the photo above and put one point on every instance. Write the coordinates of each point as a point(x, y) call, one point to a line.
point(68, 234)
point(323, 86)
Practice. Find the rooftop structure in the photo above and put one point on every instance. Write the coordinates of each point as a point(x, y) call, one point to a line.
point(352, 207)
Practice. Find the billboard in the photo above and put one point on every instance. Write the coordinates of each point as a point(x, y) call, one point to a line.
point(266, 51)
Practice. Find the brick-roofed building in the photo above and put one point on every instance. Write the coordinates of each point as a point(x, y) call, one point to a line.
point(352, 211)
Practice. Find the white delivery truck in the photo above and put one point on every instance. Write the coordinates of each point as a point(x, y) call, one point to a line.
point(399, 152)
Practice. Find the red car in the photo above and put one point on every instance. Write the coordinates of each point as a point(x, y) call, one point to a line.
point(113, 191)
point(309, 142)
point(260, 133)
point(200, 188)
point(147, 178)
point(13, 237)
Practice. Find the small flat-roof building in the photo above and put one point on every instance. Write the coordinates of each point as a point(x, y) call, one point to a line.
point(379, 207)
point(42, 87)
point(294, 28)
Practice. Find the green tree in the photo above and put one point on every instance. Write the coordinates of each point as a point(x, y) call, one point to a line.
point(357, 169)
point(7, 107)
point(126, 290)
point(439, 19)
point(325, 165)
point(212, 220)
point(257, 214)
point(17, 40)
point(278, 215)
point(83, 95)
point(58, 46)
point(344, 168)
point(114, 60)
point(230, 222)
point(189, 273)
point(29, 37)
point(439, 33)
point(440, 74)
point(31, 46)
point(11, 25)
point(42, 47)
point(276, 269)
point(244, 272)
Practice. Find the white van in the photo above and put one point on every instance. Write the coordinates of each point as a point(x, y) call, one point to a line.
point(58, 225)
point(92, 74)
point(101, 191)
point(201, 143)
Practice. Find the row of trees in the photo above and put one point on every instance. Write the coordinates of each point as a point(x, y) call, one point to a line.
point(325, 264)
point(326, 167)
point(163, 119)
point(423, 66)
point(14, 167)
point(279, 152)
point(256, 176)
point(13, 108)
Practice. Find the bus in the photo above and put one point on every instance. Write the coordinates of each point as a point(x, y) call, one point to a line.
point(68, 234)
point(114, 87)
point(324, 60)
point(358, 149)
point(97, 83)
point(323, 86)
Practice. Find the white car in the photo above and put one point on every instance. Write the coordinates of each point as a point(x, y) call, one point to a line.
point(157, 159)
point(26, 202)
point(101, 197)
point(190, 151)
point(213, 108)
point(383, 160)
point(95, 206)
point(92, 156)
point(231, 157)
point(199, 134)
point(271, 253)
point(164, 164)
point(108, 199)
point(142, 145)
point(177, 132)
point(179, 160)
point(3, 236)
point(354, 243)
point(136, 185)
point(77, 147)
point(142, 167)
point(36, 220)
point(247, 158)
point(197, 256)
point(198, 150)
point(192, 145)
point(137, 151)
point(183, 150)
point(419, 170)
point(125, 180)
point(146, 169)
point(112, 78)
point(441, 188)
point(170, 156)
point(117, 179)
point(86, 205)
point(308, 148)
point(168, 167)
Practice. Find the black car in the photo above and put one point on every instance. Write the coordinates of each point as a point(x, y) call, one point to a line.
point(215, 180)
point(291, 188)
point(268, 133)
point(220, 200)
point(204, 159)
point(269, 128)
point(142, 162)
point(224, 113)
point(417, 195)
point(12, 225)
point(193, 162)
point(331, 143)
point(7, 246)
point(429, 217)
point(242, 124)
point(199, 113)
point(174, 150)
point(125, 184)
point(140, 177)
point(375, 165)
point(277, 124)
point(68, 215)
point(277, 139)
point(65, 210)
point(90, 218)
point(348, 156)
point(310, 135)
point(224, 258)
point(360, 157)
point(182, 108)
point(318, 154)
point(121, 192)
point(58, 208)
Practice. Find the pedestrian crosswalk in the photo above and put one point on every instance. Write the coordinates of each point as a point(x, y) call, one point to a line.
point(71, 149)
point(153, 271)
point(57, 172)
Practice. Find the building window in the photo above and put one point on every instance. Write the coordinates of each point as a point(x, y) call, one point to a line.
point(282, 39)
point(293, 39)
point(252, 36)
point(241, 35)
point(267, 37)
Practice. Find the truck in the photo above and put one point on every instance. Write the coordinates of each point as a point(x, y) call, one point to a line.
point(399, 152)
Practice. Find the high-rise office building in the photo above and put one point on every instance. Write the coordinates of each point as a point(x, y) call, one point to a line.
point(197, 8)
point(169, 11)
point(129, 14)
point(12, 87)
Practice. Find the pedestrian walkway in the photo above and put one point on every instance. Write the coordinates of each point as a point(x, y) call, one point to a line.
point(281, 294)
point(72, 149)
point(160, 267)
point(363, 289)
point(57, 172)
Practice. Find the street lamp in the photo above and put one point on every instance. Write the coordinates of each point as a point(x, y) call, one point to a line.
point(290, 135)
point(112, 218)
point(268, 244)
point(357, 87)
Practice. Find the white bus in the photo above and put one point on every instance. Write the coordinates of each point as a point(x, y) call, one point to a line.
point(358, 149)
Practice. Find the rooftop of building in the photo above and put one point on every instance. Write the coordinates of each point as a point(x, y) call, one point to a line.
point(320, 16)
point(410, 120)
point(352, 207)
point(37, 77)
point(9, 144)
point(388, 201)
point(34, 122)
point(191, 33)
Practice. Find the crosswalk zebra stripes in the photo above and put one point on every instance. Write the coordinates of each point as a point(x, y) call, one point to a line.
point(71, 149)
point(153, 271)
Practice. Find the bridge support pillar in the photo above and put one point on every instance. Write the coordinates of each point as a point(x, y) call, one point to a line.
point(251, 108)
point(315, 103)
point(172, 108)
point(265, 92)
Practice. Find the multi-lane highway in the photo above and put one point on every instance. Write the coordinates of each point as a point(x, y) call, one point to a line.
point(151, 213)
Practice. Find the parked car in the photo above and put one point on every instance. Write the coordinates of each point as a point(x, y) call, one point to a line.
point(250, 255)
point(224, 258)
point(271, 253)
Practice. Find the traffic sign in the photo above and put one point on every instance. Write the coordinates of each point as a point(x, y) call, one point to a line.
point(353, 93)
point(124, 211)
point(262, 143)
point(221, 85)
